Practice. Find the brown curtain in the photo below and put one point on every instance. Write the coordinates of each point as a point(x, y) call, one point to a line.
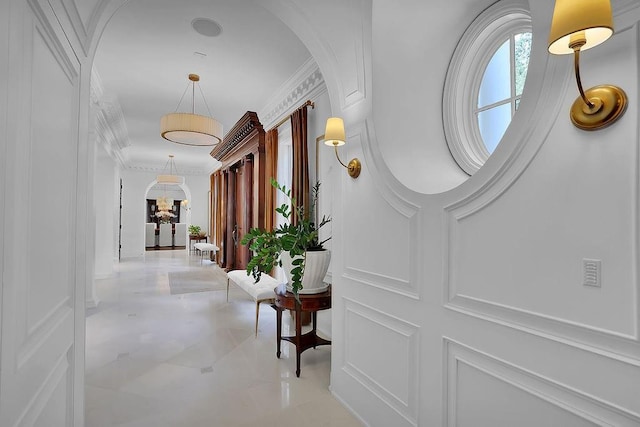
point(218, 213)
point(271, 151)
point(300, 176)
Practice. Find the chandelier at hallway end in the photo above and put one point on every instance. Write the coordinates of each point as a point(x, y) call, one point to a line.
point(190, 128)
point(165, 206)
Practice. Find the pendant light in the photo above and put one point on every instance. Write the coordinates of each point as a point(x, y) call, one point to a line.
point(190, 128)
point(170, 178)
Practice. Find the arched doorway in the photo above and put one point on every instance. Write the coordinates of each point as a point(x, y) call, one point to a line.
point(166, 232)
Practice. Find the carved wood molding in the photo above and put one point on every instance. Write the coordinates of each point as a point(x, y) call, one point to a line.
point(236, 139)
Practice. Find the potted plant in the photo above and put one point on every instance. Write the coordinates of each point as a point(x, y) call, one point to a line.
point(194, 230)
point(300, 243)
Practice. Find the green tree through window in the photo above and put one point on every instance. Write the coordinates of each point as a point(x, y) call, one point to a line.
point(501, 88)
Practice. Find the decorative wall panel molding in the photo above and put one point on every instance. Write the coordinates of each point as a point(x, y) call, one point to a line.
point(622, 348)
point(80, 18)
point(364, 328)
point(621, 7)
point(78, 26)
point(391, 284)
point(355, 91)
point(54, 385)
point(38, 301)
point(402, 228)
point(44, 330)
point(464, 217)
point(542, 391)
point(51, 35)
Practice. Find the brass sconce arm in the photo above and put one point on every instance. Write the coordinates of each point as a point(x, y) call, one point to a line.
point(335, 147)
point(576, 66)
point(353, 168)
point(599, 106)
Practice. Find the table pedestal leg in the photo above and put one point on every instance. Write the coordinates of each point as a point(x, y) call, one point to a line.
point(298, 335)
point(314, 322)
point(279, 330)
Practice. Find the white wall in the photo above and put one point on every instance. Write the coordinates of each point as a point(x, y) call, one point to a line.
point(44, 225)
point(199, 186)
point(106, 202)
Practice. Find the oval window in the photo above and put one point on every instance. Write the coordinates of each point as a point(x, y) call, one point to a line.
point(485, 82)
point(501, 88)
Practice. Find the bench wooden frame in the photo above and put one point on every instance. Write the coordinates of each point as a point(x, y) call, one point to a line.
point(263, 291)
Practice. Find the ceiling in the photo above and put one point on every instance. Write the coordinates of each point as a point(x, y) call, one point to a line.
point(150, 47)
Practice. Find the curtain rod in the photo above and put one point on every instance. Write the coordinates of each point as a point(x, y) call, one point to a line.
point(309, 103)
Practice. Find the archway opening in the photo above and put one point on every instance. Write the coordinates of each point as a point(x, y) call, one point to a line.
point(167, 216)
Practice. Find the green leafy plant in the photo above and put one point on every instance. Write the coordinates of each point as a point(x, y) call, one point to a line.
point(194, 230)
point(297, 239)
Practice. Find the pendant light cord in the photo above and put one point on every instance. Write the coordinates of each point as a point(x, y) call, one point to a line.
point(182, 97)
point(205, 101)
point(193, 98)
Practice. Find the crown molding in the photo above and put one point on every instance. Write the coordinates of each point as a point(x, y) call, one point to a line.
point(158, 169)
point(306, 83)
point(109, 124)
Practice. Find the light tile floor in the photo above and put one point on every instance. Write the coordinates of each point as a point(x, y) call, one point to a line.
point(154, 359)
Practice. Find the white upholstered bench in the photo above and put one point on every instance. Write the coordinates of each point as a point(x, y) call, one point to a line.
point(260, 292)
point(205, 247)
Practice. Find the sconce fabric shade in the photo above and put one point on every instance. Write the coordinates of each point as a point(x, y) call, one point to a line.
point(593, 17)
point(334, 132)
point(334, 135)
point(190, 129)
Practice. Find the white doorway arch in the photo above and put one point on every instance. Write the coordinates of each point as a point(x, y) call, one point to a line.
point(335, 73)
point(185, 190)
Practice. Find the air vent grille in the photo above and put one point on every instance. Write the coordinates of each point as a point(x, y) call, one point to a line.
point(591, 272)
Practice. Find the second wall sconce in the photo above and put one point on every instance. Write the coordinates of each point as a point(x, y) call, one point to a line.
point(581, 25)
point(334, 135)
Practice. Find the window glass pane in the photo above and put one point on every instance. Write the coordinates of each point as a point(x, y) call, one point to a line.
point(522, 47)
point(496, 82)
point(285, 168)
point(493, 123)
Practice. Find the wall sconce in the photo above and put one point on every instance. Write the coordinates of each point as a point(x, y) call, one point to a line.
point(185, 204)
point(334, 135)
point(580, 26)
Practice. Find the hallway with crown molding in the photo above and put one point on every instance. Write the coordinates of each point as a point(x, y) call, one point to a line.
point(156, 359)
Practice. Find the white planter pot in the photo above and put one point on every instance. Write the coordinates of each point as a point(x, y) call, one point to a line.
point(315, 269)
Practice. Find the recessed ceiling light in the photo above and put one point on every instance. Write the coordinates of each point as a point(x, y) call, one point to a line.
point(206, 27)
